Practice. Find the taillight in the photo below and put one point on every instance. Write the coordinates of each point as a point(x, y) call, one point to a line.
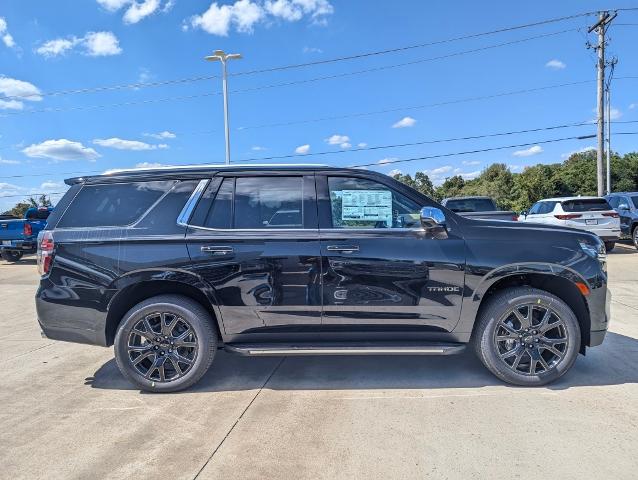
point(611, 214)
point(569, 216)
point(45, 251)
point(28, 230)
point(515, 218)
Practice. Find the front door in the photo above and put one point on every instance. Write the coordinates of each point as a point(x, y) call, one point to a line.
point(381, 270)
point(254, 240)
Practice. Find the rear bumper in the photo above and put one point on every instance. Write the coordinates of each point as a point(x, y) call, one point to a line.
point(599, 303)
point(21, 245)
point(65, 315)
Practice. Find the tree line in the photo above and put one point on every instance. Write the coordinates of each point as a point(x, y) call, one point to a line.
point(20, 208)
point(518, 191)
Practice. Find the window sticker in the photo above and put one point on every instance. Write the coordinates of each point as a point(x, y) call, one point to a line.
point(370, 205)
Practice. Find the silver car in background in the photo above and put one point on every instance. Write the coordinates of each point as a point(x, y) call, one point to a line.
point(592, 214)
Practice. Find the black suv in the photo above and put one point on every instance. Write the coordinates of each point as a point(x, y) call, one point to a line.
point(170, 265)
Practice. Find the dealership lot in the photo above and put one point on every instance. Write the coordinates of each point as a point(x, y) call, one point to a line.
point(66, 412)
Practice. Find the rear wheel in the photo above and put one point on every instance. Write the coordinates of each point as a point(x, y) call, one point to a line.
point(11, 256)
point(609, 246)
point(165, 343)
point(527, 336)
point(634, 236)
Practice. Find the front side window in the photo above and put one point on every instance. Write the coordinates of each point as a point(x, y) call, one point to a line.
point(535, 208)
point(113, 205)
point(360, 203)
point(614, 201)
point(635, 201)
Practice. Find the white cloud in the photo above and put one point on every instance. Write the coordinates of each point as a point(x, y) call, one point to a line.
point(149, 165)
point(470, 175)
point(394, 172)
point(312, 50)
point(471, 162)
point(387, 160)
point(243, 15)
point(95, 44)
point(362, 144)
point(7, 39)
point(61, 149)
point(555, 64)
point(439, 171)
point(404, 123)
point(100, 44)
point(615, 114)
point(161, 135)
point(302, 149)
point(528, 152)
point(137, 10)
point(51, 185)
point(121, 144)
point(257, 148)
point(342, 140)
point(15, 92)
point(8, 162)
point(632, 106)
point(582, 150)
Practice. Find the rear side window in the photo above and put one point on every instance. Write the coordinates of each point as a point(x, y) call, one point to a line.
point(39, 214)
point(470, 205)
point(635, 201)
point(113, 205)
point(586, 205)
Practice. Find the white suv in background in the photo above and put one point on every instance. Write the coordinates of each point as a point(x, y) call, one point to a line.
point(593, 214)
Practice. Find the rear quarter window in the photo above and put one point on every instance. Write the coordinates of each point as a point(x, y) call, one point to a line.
point(113, 205)
point(586, 205)
point(471, 205)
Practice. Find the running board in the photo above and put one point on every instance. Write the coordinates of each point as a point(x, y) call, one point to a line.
point(264, 350)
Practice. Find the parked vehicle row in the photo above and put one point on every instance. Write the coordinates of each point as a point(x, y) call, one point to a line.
point(170, 264)
point(626, 204)
point(19, 236)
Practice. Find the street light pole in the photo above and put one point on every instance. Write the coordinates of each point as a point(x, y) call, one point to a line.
point(221, 56)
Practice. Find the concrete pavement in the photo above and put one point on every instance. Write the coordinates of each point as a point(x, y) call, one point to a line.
point(66, 412)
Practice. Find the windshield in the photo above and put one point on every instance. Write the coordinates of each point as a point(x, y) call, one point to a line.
point(586, 205)
point(470, 205)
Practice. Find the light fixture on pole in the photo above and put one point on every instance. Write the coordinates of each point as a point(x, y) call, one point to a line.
point(221, 56)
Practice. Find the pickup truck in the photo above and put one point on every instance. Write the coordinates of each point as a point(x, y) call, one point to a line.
point(19, 236)
point(478, 207)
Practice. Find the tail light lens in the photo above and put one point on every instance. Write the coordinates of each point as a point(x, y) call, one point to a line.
point(28, 230)
point(569, 216)
point(515, 218)
point(46, 246)
point(611, 214)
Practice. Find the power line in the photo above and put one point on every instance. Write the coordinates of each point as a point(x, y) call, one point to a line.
point(294, 82)
point(139, 85)
point(32, 195)
point(482, 150)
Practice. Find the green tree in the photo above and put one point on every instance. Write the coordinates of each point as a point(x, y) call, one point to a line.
point(451, 187)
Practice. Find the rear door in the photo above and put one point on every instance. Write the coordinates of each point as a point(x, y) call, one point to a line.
point(254, 240)
point(381, 271)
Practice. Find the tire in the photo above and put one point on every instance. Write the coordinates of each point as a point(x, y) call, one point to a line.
point(161, 369)
point(634, 236)
point(11, 256)
point(491, 351)
point(609, 246)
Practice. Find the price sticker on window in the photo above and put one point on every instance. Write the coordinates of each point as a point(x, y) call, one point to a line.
point(370, 205)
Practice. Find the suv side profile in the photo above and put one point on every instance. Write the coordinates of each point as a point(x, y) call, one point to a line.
point(626, 204)
point(171, 264)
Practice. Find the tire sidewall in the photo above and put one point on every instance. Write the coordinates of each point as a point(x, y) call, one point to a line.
point(202, 361)
point(490, 356)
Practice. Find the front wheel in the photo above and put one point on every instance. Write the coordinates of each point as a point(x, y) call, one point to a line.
point(165, 343)
point(609, 246)
point(11, 256)
point(527, 336)
point(634, 236)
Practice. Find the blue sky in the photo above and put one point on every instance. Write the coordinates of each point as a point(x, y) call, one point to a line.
point(48, 47)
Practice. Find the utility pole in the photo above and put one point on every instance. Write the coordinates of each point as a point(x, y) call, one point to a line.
point(604, 19)
point(221, 56)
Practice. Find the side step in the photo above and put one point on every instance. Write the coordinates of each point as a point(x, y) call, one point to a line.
point(280, 349)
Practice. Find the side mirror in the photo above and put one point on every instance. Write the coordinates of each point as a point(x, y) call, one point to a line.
point(623, 206)
point(432, 217)
point(524, 213)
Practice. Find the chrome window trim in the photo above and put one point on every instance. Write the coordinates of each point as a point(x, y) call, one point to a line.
point(187, 211)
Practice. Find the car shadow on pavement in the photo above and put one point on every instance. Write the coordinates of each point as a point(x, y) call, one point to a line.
point(613, 363)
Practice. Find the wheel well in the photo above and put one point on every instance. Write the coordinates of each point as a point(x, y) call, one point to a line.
point(134, 294)
point(559, 286)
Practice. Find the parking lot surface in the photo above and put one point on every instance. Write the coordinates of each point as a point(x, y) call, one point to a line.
point(66, 412)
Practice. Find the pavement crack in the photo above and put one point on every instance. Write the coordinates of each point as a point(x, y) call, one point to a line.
point(239, 418)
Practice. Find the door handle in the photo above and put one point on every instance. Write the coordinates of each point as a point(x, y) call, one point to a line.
point(217, 250)
point(343, 248)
